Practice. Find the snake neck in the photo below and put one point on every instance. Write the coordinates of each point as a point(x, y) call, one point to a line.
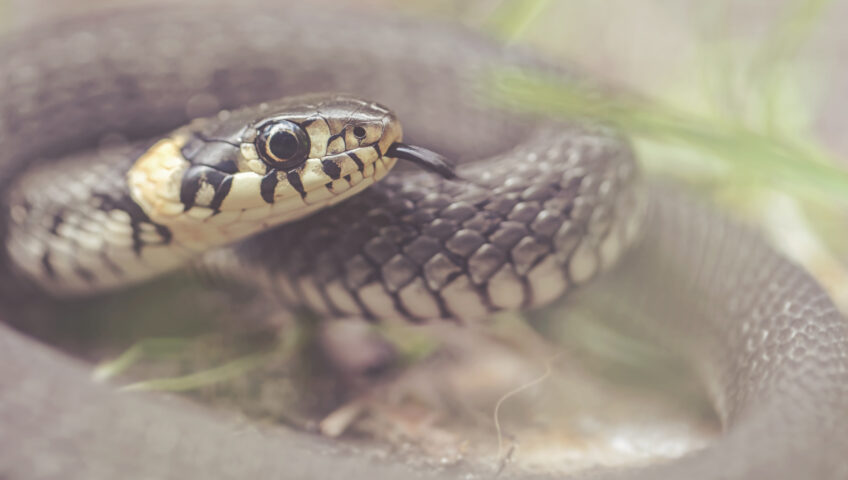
point(75, 228)
point(98, 221)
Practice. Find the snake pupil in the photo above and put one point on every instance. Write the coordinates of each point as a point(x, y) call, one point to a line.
point(359, 132)
point(283, 145)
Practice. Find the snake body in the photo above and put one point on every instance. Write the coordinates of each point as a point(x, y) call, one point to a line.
point(539, 207)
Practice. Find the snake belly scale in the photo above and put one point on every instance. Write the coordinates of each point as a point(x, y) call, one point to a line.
point(537, 207)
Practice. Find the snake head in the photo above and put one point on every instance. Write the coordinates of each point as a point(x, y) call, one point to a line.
point(245, 170)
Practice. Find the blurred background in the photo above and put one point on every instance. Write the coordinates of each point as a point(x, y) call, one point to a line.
point(744, 101)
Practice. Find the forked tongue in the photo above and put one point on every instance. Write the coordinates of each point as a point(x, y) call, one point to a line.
point(426, 159)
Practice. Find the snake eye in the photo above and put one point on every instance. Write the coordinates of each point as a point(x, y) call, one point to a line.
point(359, 132)
point(282, 144)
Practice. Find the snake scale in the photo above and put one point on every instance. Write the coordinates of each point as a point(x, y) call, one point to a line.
point(538, 207)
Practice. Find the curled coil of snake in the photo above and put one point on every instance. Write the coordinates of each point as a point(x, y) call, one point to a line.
point(106, 183)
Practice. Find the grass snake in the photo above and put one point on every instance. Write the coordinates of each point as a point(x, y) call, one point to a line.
point(538, 207)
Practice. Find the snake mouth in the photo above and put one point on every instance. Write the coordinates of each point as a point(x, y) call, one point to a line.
point(426, 159)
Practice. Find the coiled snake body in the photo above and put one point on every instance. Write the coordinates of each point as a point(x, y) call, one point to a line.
point(545, 207)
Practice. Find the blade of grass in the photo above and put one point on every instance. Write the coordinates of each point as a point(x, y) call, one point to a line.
point(511, 18)
point(793, 165)
point(197, 380)
point(787, 36)
point(285, 348)
point(147, 347)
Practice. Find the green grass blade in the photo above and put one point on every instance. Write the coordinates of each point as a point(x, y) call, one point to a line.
point(512, 18)
point(788, 163)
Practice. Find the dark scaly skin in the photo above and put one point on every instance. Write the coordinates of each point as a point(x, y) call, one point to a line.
point(766, 339)
point(567, 190)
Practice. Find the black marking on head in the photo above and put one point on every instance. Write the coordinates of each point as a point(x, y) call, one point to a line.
point(377, 149)
point(48, 266)
point(198, 175)
point(163, 232)
point(268, 185)
point(307, 122)
point(347, 178)
point(294, 180)
point(227, 166)
point(191, 147)
point(137, 217)
point(212, 152)
point(338, 135)
point(188, 192)
point(357, 161)
point(221, 193)
point(331, 168)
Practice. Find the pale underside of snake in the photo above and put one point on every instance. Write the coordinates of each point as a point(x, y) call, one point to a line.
point(538, 207)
